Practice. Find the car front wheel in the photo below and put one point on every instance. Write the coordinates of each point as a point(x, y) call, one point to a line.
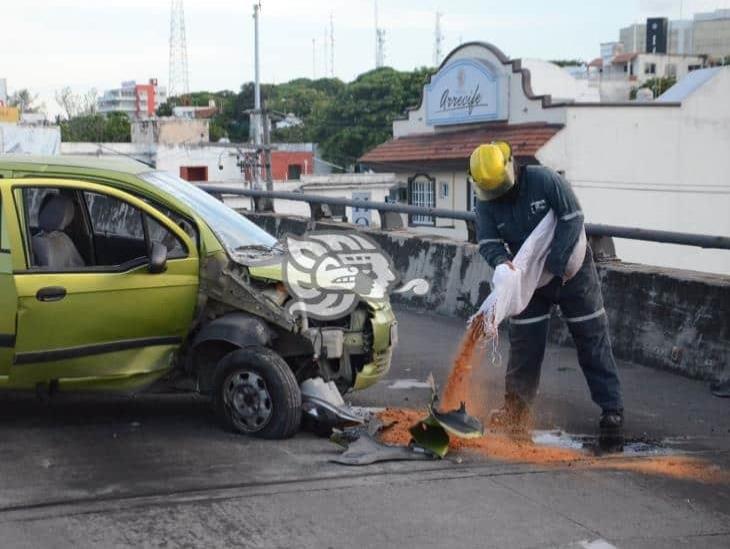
point(256, 393)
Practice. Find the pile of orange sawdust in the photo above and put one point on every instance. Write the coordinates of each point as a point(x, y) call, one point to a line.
point(458, 387)
point(397, 422)
point(679, 467)
point(504, 448)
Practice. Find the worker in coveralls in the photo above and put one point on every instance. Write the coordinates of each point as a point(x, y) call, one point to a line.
point(511, 201)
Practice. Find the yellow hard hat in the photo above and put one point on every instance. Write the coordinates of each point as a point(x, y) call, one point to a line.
point(488, 167)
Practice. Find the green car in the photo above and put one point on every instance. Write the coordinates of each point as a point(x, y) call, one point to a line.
point(114, 276)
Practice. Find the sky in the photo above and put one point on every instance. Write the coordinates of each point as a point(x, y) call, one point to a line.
point(84, 44)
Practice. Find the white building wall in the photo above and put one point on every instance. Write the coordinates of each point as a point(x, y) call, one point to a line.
point(656, 168)
point(220, 161)
point(516, 108)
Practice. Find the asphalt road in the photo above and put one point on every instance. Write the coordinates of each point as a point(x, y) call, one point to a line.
point(156, 471)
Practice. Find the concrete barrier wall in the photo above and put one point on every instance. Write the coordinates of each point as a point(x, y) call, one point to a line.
point(664, 318)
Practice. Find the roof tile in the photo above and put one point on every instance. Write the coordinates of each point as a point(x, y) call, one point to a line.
point(526, 140)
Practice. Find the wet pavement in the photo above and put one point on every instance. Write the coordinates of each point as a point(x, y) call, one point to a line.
point(157, 471)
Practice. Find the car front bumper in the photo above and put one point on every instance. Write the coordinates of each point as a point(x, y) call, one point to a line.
point(385, 338)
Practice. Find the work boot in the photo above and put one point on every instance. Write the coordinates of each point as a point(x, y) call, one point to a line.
point(512, 418)
point(611, 438)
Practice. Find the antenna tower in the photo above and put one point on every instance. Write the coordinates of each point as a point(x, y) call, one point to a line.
point(325, 52)
point(438, 39)
point(332, 47)
point(379, 41)
point(314, 58)
point(178, 84)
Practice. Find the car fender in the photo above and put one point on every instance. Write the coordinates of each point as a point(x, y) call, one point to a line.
point(222, 336)
point(239, 329)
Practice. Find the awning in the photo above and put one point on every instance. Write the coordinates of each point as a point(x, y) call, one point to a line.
point(457, 146)
point(622, 58)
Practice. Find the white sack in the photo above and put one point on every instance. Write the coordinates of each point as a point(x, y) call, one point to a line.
point(512, 290)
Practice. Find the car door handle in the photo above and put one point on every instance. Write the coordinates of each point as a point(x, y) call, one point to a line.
point(51, 293)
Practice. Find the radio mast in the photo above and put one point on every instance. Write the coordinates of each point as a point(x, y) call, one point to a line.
point(178, 84)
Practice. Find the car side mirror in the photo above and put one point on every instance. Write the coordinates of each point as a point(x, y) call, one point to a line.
point(158, 258)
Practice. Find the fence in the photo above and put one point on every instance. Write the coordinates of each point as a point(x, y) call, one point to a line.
point(321, 208)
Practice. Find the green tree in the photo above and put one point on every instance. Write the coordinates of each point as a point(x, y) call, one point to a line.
point(117, 128)
point(346, 119)
point(25, 100)
point(657, 85)
point(114, 128)
point(568, 62)
point(362, 113)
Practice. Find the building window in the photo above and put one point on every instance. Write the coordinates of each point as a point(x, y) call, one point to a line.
point(194, 173)
point(422, 193)
point(294, 171)
point(444, 190)
point(650, 68)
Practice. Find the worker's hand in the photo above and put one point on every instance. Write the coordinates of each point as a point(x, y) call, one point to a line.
point(510, 265)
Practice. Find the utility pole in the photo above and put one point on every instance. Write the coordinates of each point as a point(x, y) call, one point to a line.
point(258, 119)
point(255, 119)
point(267, 160)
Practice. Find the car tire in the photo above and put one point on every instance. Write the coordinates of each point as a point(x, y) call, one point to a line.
point(255, 393)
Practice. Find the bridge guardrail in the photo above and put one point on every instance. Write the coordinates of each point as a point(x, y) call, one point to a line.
point(320, 208)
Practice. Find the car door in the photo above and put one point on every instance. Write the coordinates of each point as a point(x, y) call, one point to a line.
point(8, 298)
point(106, 321)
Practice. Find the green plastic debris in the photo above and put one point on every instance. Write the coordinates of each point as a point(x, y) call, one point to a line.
point(431, 436)
point(458, 422)
point(432, 432)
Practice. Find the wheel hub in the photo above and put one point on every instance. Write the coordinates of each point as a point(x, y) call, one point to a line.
point(248, 399)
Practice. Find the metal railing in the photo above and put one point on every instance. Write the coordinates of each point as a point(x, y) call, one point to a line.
point(320, 208)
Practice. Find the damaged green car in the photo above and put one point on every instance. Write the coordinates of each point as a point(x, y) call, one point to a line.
point(114, 276)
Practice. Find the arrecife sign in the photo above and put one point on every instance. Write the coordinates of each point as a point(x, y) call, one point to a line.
point(463, 91)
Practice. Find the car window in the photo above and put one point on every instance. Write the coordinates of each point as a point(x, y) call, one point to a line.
point(181, 221)
point(116, 223)
point(160, 234)
point(34, 198)
point(85, 229)
point(113, 217)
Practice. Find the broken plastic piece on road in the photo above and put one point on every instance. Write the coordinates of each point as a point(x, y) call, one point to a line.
point(324, 409)
point(459, 423)
point(430, 435)
point(432, 432)
point(366, 450)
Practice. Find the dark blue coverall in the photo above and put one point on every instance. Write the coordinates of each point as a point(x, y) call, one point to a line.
point(503, 224)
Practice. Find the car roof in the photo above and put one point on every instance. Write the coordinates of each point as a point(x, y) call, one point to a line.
point(43, 163)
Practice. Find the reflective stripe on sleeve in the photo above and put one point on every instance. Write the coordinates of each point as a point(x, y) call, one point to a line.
point(583, 318)
point(532, 320)
point(488, 240)
point(568, 217)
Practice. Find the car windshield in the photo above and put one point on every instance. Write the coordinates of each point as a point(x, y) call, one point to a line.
point(234, 231)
